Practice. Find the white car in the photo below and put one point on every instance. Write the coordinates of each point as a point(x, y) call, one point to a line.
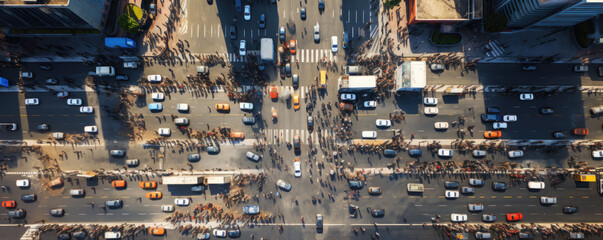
point(456, 217)
point(334, 44)
point(383, 123)
point(499, 125)
point(246, 106)
point(297, 169)
point(130, 65)
point(164, 132)
point(157, 96)
point(369, 134)
point(445, 152)
point(430, 101)
point(316, 33)
point(154, 78)
point(74, 102)
point(452, 194)
point(283, 185)
point(32, 101)
point(441, 125)
point(510, 118)
point(243, 48)
point(475, 207)
point(430, 110)
point(86, 109)
point(26, 74)
point(526, 96)
point(598, 154)
point(91, 129)
point(182, 201)
point(348, 97)
point(167, 208)
point(479, 153)
point(23, 183)
point(515, 153)
point(252, 156)
point(580, 68)
point(548, 200)
point(62, 94)
point(370, 104)
point(247, 13)
point(219, 233)
point(182, 107)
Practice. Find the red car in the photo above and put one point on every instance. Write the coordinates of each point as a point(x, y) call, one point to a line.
point(346, 107)
point(9, 204)
point(292, 46)
point(513, 217)
point(580, 131)
point(273, 92)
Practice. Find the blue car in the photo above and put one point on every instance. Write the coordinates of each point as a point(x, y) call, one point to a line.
point(415, 152)
point(155, 107)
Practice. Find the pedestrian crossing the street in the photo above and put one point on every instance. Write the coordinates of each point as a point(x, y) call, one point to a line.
point(282, 136)
point(301, 56)
point(301, 90)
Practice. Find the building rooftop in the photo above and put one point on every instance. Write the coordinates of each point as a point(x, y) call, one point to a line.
point(443, 9)
point(34, 2)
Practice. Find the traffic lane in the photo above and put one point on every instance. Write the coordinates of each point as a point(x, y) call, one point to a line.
point(516, 198)
point(65, 72)
point(545, 74)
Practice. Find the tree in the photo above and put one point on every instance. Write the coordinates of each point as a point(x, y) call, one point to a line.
point(392, 3)
point(128, 24)
point(495, 23)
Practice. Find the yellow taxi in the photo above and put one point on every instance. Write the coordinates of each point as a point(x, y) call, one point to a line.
point(154, 195)
point(147, 185)
point(118, 183)
point(157, 231)
point(223, 107)
point(296, 101)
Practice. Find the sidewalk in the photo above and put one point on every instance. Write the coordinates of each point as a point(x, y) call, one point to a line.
point(160, 35)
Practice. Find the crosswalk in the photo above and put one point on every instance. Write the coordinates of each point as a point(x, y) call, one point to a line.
point(301, 90)
point(301, 56)
point(281, 136)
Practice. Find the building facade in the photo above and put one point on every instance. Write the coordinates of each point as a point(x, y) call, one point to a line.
point(53, 14)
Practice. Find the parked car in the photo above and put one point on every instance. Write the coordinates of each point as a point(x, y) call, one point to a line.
point(251, 209)
point(442, 152)
point(415, 152)
point(451, 184)
point(132, 162)
point(430, 111)
point(499, 186)
point(515, 153)
point(347, 97)
point(182, 201)
point(499, 125)
point(118, 153)
point(430, 101)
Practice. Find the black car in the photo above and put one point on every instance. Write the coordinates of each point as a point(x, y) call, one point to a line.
point(310, 123)
point(493, 110)
point(499, 186)
point(389, 152)
point(321, 5)
point(570, 209)
point(234, 233)
point(546, 110)
point(415, 152)
point(377, 212)
point(491, 117)
point(302, 13)
point(248, 120)
point(18, 213)
point(559, 134)
point(262, 21)
point(295, 80)
point(43, 127)
point(233, 32)
point(194, 157)
point(451, 184)
point(296, 143)
point(28, 197)
point(79, 234)
point(52, 81)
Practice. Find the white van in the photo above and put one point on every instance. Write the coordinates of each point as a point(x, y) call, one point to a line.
point(369, 134)
point(77, 192)
point(532, 185)
point(112, 235)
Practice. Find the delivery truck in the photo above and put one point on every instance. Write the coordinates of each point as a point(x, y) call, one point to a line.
point(266, 52)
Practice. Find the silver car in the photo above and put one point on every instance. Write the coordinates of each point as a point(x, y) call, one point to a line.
point(474, 207)
point(253, 157)
point(317, 33)
point(283, 185)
